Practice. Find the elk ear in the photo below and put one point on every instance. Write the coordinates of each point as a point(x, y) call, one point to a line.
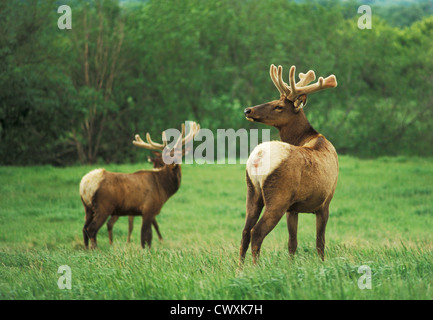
point(300, 102)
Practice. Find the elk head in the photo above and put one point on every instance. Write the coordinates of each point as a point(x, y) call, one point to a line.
point(293, 98)
point(156, 159)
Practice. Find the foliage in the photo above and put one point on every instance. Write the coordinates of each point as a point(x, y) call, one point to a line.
point(80, 95)
point(401, 14)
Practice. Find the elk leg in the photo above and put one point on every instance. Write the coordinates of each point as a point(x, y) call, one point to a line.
point(292, 225)
point(85, 237)
point(155, 225)
point(265, 225)
point(110, 225)
point(94, 227)
point(146, 233)
point(321, 220)
point(130, 227)
point(254, 208)
point(88, 220)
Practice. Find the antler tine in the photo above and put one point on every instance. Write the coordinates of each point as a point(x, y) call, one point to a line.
point(293, 91)
point(306, 78)
point(140, 143)
point(329, 82)
point(281, 83)
point(154, 144)
point(273, 74)
point(197, 129)
point(150, 144)
point(181, 138)
point(183, 134)
point(164, 138)
point(194, 128)
point(138, 140)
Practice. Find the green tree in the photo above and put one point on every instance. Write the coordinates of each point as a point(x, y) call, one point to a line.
point(37, 100)
point(95, 60)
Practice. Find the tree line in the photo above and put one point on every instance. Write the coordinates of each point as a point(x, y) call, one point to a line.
point(80, 95)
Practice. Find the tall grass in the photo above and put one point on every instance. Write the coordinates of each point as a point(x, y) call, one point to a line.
point(381, 217)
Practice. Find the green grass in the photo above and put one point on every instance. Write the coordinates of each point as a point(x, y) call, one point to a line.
point(381, 216)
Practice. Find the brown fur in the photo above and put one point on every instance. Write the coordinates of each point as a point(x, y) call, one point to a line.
point(305, 180)
point(157, 163)
point(142, 193)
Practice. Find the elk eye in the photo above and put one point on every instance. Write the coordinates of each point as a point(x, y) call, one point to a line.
point(278, 108)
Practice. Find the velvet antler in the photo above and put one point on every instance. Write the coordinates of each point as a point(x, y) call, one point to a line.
point(182, 140)
point(293, 91)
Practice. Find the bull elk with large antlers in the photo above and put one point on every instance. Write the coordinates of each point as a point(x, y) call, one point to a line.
point(142, 193)
point(295, 175)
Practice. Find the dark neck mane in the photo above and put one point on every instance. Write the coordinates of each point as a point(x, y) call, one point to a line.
point(298, 132)
point(169, 177)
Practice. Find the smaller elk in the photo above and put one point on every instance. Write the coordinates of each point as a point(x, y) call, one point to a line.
point(157, 163)
point(142, 193)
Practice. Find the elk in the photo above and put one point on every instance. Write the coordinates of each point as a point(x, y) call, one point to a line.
point(158, 162)
point(142, 193)
point(295, 175)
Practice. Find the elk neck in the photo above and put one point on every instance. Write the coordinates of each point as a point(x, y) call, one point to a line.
point(297, 131)
point(169, 178)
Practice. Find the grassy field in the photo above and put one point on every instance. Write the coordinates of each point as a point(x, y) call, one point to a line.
point(381, 217)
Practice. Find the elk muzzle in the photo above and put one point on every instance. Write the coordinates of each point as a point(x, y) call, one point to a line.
point(248, 115)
